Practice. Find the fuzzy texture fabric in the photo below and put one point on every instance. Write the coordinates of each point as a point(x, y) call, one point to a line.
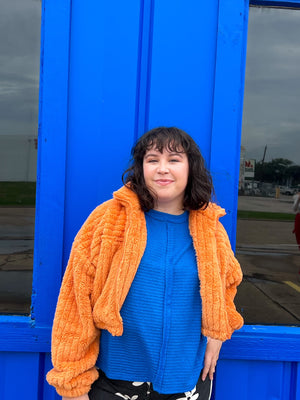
point(104, 259)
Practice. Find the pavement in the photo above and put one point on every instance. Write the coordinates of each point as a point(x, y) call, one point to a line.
point(270, 260)
point(16, 259)
point(266, 250)
point(251, 203)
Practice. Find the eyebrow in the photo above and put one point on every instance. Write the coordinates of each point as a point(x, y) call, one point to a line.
point(172, 154)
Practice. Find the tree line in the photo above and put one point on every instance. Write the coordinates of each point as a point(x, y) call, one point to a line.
point(280, 171)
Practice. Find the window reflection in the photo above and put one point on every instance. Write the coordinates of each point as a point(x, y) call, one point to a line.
point(19, 77)
point(270, 170)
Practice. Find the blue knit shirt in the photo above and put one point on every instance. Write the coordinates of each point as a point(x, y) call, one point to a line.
point(162, 341)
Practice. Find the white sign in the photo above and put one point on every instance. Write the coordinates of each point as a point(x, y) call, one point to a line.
point(249, 168)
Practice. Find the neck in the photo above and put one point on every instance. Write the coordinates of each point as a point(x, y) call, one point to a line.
point(166, 208)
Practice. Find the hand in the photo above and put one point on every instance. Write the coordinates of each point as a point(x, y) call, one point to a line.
point(82, 397)
point(211, 357)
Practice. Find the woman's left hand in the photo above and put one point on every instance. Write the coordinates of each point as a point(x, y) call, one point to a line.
point(213, 348)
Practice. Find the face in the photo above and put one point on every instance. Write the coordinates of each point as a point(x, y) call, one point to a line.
point(166, 174)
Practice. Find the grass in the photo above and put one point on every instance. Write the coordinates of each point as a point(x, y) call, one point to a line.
point(265, 215)
point(23, 194)
point(17, 193)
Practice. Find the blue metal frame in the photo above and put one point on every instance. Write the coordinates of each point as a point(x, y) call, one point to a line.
point(266, 342)
point(259, 342)
point(32, 334)
point(228, 106)
point(52, 140)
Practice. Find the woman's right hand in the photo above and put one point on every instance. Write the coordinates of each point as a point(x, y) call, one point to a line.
point(83, 397)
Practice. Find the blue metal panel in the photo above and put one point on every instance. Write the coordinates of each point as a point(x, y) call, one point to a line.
point(19, 377)
point(295, 382)
point(102, 107)
point(228, 106)
point(47, 392)
point(259, 380)
point(182, 69)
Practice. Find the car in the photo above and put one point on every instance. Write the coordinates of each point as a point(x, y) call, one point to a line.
point(287, 190)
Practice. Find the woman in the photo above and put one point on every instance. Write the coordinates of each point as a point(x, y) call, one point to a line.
point(134, 275)
point(296, 209)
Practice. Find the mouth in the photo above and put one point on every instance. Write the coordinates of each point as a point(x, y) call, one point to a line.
point(163, 182)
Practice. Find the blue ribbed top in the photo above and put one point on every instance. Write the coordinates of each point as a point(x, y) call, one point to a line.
point(162, 341)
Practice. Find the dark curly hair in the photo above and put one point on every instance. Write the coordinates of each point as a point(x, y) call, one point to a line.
point(199, 188)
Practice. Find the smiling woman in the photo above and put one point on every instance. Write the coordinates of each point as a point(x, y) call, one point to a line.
point(166, 176)
point(162, 144)
point(130, 266)
point(20, 22)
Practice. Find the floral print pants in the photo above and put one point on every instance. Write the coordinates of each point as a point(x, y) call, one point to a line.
point(111, 389)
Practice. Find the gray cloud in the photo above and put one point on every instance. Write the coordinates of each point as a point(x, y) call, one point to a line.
point(272, 89)
point(20, 22)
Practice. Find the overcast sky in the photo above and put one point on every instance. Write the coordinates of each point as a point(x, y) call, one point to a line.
point(20, 22)
point(272, 89)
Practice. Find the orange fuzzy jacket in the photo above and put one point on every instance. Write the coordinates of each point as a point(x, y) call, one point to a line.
point(104, 259)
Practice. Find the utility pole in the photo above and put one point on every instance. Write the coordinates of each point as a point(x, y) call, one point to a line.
point(263, 159)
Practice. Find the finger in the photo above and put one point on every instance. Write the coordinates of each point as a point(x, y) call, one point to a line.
point(211, 372)
point(204, 373)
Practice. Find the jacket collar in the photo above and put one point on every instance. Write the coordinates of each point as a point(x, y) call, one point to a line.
point(129, 199)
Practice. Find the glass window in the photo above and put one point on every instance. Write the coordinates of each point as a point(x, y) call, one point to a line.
point(19, 84)
point(270, 170)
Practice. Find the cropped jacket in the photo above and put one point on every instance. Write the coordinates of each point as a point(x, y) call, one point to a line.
point(104, 259)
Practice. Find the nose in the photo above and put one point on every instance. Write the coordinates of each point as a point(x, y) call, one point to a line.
point(163, 168)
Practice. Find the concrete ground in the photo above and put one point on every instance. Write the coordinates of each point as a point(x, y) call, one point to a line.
point(16, 259)
point(283, 204)
point(267, 251)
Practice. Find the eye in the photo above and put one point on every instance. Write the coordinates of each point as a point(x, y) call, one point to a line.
point(174, 160)
point(152, 160)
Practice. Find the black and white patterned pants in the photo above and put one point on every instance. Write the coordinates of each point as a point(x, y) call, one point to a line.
point(111, 389)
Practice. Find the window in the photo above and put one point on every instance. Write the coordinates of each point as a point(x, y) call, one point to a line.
point(270, 170)
point(19, 82)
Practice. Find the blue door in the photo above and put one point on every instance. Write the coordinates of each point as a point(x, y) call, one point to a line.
point(109, 72)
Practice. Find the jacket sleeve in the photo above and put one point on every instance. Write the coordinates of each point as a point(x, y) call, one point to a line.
point(232, 277)
point(75, 338)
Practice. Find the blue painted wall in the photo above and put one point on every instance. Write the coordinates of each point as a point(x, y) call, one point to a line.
point(109, 72)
